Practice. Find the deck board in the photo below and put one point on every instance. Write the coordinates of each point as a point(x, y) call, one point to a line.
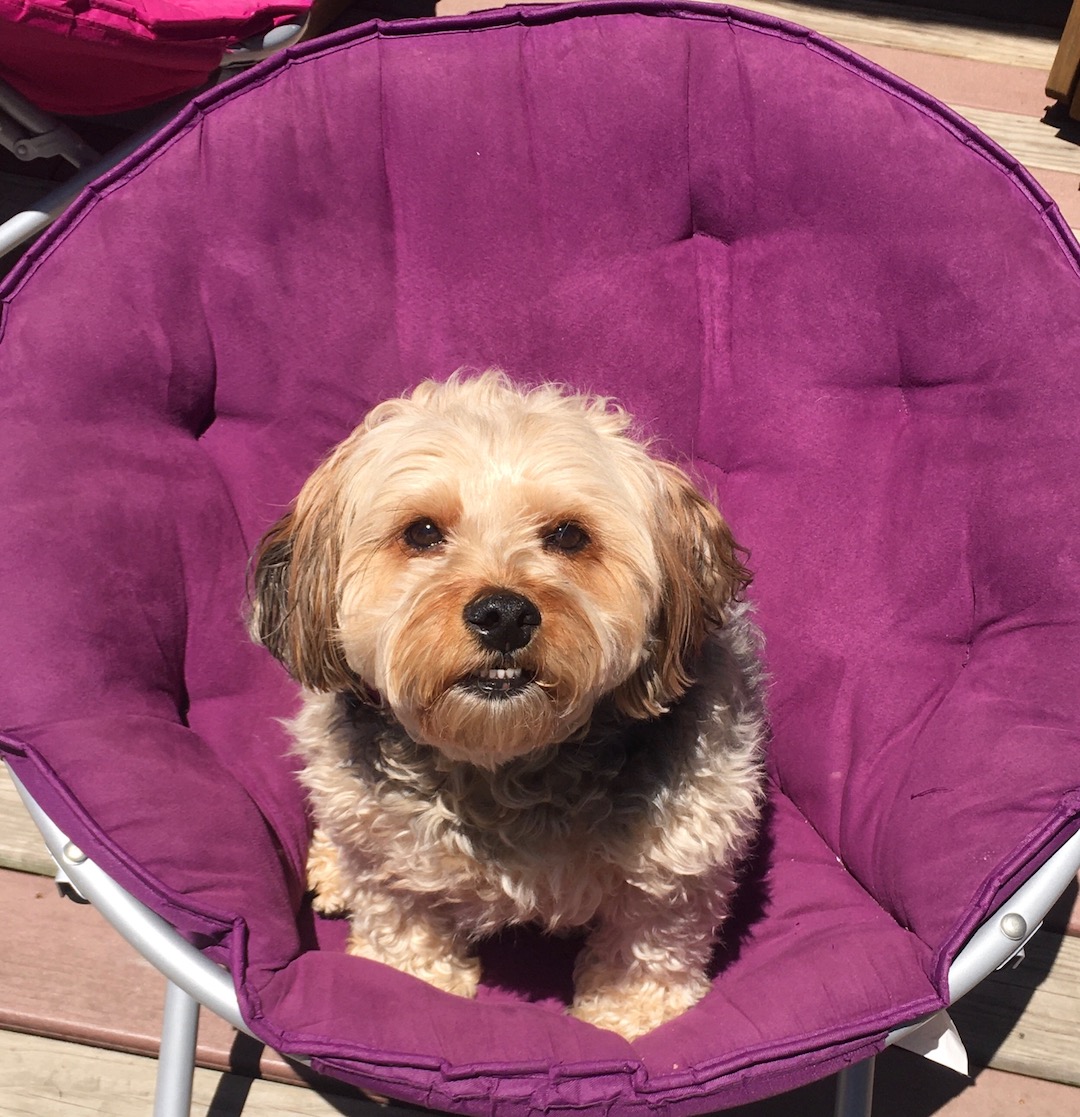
point(68, 975)
point(43, 1078)
point(1035, 144)
point(892, 25)
point(21, 846)
point(1027, 1020)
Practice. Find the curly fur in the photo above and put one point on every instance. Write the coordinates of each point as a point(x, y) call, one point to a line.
point(616, 787)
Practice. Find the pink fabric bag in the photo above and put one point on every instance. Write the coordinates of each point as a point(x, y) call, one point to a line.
point(107, 56)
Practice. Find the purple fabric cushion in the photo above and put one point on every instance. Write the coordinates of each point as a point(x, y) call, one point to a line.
point(852, 314)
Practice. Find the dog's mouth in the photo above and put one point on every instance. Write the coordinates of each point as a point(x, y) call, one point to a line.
point(498, 682)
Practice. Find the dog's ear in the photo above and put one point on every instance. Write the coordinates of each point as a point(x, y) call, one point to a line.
point(702, 574)
point(294, 579)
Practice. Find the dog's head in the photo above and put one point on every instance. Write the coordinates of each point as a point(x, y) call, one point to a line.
point(491, 562)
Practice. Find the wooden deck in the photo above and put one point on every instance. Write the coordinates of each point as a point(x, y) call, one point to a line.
point(80, 1011)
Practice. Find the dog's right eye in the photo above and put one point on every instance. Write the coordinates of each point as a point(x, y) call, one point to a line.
point(422, 535)
point(568, 537)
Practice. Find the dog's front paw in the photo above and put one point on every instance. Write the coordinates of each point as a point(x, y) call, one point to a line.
point(632, 1007)
point(418, 951)
point(324, 877)
point(462, 978)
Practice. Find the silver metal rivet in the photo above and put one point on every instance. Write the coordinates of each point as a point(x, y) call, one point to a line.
point(1014, 926)
point(73, 854)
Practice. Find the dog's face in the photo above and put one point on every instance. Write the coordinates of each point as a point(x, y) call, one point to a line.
point(491, 563)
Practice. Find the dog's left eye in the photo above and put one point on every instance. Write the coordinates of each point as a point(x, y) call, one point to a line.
point(422, 535)
point(567, 537)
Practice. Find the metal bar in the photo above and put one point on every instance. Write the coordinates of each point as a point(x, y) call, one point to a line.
point(58, 138)
point(855, 1090)
point(262, 46)
point(23, 226)
point(1004, 932)
point(176, 1061)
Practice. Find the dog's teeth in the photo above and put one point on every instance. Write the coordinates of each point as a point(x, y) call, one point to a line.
point(501, 673)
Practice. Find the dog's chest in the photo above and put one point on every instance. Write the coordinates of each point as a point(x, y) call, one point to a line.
point(536, 841)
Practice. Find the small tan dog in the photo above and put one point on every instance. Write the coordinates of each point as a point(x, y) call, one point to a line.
point(531, 695)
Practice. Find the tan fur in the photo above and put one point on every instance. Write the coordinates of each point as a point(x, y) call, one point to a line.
point(617, 787)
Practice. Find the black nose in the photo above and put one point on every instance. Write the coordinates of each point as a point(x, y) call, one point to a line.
point(503, 621)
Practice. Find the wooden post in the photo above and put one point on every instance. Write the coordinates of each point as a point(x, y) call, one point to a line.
point(1062, 83)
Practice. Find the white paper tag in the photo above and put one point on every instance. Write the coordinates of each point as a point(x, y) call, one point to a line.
point(939, 1041)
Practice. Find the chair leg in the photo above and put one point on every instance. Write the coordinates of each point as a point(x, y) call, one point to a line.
point(855, 1090)
point(176, 1062)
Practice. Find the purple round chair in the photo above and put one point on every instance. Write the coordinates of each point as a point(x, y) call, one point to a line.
point(848, 312)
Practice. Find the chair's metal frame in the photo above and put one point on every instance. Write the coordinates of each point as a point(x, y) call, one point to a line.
point(192, 979)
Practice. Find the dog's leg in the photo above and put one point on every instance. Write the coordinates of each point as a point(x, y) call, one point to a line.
point(646, 961)
point(402, 932)
point(324, 877)
point(395, 930)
